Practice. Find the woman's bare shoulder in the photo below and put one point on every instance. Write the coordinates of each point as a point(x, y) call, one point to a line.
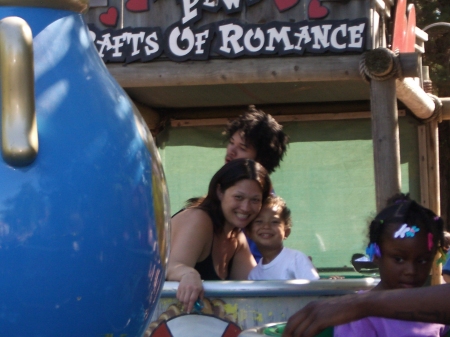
point(191, 233)
point(192, 218)
point(241, 238)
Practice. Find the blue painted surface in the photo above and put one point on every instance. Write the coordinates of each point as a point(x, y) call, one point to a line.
point(78, 255)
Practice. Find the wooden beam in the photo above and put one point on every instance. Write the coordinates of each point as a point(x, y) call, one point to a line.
point(429, 180)
point(280, 118)
point(237, 71)
point(445, 108)
point(386, 143)
point(433, 167)
point(434, 188)
point(272, 109)
point(423, 166)
point(415, 98)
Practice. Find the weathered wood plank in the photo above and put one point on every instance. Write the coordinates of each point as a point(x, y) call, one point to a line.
point(433, 166)
point(280, 118)
point(423, 166)
point(434, 188)
point(429, 180)
point(216, 72)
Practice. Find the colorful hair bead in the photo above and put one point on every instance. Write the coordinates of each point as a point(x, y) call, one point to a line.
point(406, 231)
point(430, 241)
point(373, 250)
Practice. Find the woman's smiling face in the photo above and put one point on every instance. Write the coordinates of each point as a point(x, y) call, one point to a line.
point(240, 203)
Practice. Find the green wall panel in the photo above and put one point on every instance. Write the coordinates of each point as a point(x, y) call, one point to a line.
point(326, 178)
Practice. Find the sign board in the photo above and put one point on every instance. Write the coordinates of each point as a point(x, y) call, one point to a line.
point(208, 29)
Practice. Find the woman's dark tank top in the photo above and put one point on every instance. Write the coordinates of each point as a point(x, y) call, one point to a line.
point(206, 267)
point(207, 271)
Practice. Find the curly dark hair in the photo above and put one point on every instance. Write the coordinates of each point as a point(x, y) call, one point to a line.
point(401, 209)
point(264, 133)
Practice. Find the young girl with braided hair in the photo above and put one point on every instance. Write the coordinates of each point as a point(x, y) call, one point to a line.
point(403, 240)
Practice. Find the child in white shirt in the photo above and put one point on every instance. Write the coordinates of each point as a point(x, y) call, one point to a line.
point(269, 229)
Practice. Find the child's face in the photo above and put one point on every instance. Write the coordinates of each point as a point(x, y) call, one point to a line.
point(404, 262)
point(268, 229)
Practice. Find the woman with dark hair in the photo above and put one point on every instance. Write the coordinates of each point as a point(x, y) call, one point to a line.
point(207, 242)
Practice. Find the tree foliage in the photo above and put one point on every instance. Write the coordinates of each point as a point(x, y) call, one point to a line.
point(437, 57)
point(437, 49)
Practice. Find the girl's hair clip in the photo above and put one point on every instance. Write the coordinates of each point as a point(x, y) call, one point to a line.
point(436, 218)
point(430, 241)
point(373, 250)
point(406, 231)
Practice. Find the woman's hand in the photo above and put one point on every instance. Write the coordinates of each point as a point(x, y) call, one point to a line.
point(191, 241)
point(190, 289)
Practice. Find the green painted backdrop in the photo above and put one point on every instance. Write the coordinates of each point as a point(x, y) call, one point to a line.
point(326, 178)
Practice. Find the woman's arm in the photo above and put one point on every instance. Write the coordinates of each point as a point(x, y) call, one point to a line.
point(427, 304)
point(191, 240)
point(243, 261)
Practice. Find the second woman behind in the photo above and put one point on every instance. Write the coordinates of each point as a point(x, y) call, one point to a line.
point(207, 242)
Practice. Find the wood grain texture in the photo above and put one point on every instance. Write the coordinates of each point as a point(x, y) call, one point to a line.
point(237, 71)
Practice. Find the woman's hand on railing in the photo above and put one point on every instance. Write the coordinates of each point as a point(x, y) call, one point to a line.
point(190, 289)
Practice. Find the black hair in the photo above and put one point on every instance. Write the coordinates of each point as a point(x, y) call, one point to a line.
point(401, 209)
point(264, 133)
point(231, 173)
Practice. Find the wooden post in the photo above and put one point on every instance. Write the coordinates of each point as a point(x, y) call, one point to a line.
point(386, 143)
point(433, 188)
point(433, 167)
point(385, 133)
point(429, 144)
point(429, 181)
